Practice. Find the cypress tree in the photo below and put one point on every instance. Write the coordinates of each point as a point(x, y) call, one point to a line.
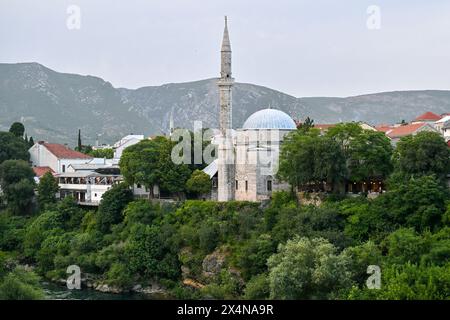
point(79, 140)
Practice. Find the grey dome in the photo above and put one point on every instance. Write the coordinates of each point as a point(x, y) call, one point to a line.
point(269, 119)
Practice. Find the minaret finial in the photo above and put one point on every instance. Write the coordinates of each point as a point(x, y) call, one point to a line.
point(226, 46)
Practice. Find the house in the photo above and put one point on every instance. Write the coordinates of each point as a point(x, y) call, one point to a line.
point(409, 129)
point(443, 126)
point(427, 117)
point(87, 183)
point(384, 127)
point(40, 171)
point(55, 156)
point(124, 143)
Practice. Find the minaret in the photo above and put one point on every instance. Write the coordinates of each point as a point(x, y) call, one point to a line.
point(226, 165)
point(171, 126)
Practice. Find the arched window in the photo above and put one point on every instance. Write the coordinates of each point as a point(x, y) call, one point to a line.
point(269, 185)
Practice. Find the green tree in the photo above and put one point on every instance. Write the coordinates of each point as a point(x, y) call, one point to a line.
point(308, 159)
point(12, 147)
point(344, 134)
point(17, 129)
point(47, 189)
point(425, 153)
point(107, 153)
point(306, 125)
point(370, 156)
point(409, 282)
point(367, 153)
point(80, 145)
point(148, 254)
point(30, 142)
point(417, 202)
point(307, 269)
point(20, 284)
point(149, 163)
point(199, 183)
point(253, 255)
point(257, 288)
point(113, 202)
point(17, 183)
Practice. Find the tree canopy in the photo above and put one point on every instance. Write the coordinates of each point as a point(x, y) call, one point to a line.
point(199, 183)
point(149, 163)
point(12, 147)
point(17, 129)
point(47, 189)
point(17, 182)
point(425, 153)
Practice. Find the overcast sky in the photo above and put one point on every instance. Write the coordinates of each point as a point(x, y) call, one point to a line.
point(304, 48)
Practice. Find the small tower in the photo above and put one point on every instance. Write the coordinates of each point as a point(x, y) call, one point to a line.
point(171, 126)
point(226, 165)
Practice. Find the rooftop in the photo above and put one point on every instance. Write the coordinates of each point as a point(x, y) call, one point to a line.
point(40, 171)
point(270, 119)
point(428, 116)
point(63, 152)
point(405, 130)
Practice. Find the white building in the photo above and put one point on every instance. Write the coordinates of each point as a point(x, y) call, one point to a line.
point(395, 134)
point(125, 142)
point(55, 156)
point(87, 183)
point(248, 157)
point(443, 126)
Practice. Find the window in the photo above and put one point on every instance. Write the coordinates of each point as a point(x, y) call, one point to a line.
point(246, 185)
point(269, 185)
point(139, 186)
point(237, 184)
point(214, 182)
point(63, 168)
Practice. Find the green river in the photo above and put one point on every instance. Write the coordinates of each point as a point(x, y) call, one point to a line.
point(60, 292)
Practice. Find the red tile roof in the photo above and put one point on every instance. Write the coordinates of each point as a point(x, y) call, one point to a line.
point(384, 128)
point(40, 171)
point(405, 130)
point(63, 152)
point(428, 116)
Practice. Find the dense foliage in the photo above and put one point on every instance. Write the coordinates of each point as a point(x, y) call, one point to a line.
point(240, 250)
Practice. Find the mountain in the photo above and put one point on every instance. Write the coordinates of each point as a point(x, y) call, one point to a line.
point(53, 105)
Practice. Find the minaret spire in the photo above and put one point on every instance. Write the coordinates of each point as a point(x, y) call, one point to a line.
point(225, 71)
point(226, 165)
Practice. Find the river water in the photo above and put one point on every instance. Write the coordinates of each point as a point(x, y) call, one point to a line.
point(60, 292)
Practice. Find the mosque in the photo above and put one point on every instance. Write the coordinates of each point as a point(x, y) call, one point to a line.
point(247, 161)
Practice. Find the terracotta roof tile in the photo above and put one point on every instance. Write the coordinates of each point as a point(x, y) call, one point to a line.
point(405, 130)
point(63, 152)
point(40, 171)
point(428, 116)
point(384, 128)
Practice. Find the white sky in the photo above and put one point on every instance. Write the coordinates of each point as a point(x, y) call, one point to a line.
point(304, 48)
